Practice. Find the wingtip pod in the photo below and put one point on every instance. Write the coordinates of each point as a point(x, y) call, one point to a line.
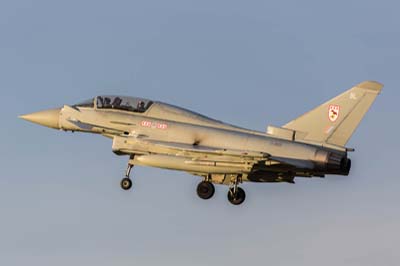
point(371, 85)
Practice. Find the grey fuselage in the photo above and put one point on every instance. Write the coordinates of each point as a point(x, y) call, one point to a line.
point(145, 136)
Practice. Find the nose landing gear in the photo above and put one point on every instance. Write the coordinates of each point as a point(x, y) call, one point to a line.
point(126, 183)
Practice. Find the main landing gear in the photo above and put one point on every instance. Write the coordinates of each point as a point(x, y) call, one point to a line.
point(126, 183)
point(236, 195)
point(205, 189)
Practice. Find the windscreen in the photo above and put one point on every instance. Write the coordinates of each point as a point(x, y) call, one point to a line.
point(87, 103)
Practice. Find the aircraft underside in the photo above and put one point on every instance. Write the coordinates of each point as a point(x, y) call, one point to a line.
point(226, 173)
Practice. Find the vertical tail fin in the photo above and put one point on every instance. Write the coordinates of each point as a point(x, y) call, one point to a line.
point(335, 121)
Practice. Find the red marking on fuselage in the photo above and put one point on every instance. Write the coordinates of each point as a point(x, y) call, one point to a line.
point(156, 125)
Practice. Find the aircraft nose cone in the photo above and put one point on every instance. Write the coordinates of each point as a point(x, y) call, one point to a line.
point(47, 118)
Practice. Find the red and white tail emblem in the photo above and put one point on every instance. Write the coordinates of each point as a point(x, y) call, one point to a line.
point(333, 113)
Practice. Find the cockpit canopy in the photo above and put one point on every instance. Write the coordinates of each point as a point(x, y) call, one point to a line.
point(125, 103)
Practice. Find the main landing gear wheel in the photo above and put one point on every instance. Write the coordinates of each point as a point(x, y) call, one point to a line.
point(236, 197)
point(205, 190)
point(126, 183)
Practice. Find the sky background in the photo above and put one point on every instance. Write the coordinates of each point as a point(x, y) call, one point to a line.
point(250, 63)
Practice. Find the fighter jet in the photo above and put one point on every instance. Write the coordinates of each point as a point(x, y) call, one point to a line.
point(157, 134)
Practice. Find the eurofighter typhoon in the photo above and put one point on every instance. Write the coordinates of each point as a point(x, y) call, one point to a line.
point(157, 134)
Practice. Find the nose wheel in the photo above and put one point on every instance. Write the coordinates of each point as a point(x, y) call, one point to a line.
point(126, 182)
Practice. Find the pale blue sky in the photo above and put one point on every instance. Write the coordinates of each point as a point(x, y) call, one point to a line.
point(250, 63)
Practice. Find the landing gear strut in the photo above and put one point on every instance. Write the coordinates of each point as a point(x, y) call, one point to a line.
point(236, 195)
point(126, 183)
